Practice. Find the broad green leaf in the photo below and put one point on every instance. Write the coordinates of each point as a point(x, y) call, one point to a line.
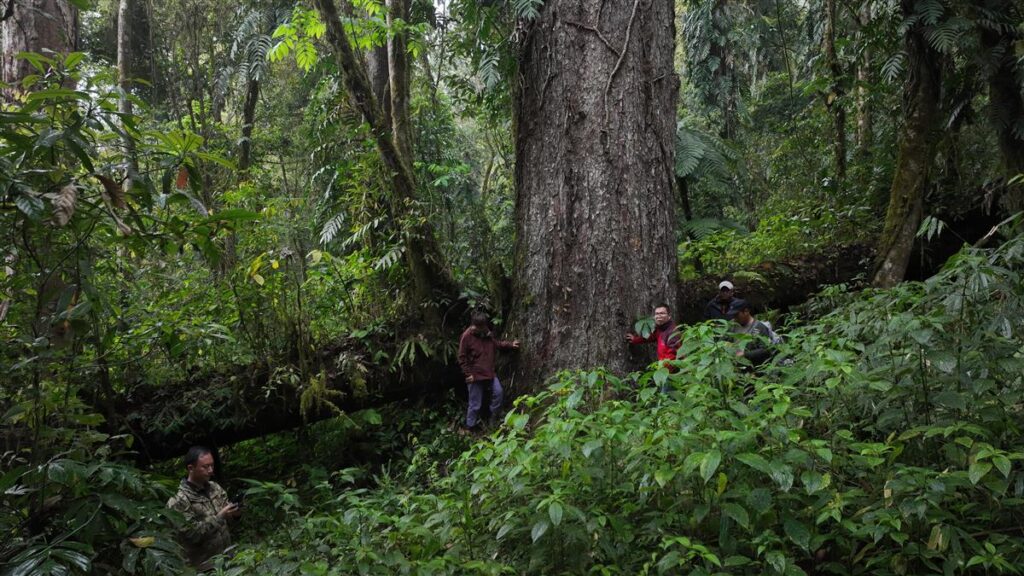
point(782, 474)
point(539, 529)
point(797, 532)
point(661, 376)
point(1002, 463)
point(755, 461)
point(776, 560)
point(590, 446)
point(709, 464)
point(555, 513)
point(737, 513)
point(977, 471)
point(664, 475)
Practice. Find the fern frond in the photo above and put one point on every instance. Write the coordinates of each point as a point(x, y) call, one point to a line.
point(331, 228)
point(389, 259)
point(894, 66)
point(930, 11)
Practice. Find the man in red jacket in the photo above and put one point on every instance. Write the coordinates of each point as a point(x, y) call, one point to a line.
point(477, 350)
point(664, 334)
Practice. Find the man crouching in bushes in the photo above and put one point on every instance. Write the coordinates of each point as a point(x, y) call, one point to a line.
point(760, 348)
point(206, 509)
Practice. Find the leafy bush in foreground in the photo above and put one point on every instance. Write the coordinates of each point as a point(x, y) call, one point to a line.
point(890, 444)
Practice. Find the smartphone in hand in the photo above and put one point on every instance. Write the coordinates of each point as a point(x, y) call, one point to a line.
point(239, 499)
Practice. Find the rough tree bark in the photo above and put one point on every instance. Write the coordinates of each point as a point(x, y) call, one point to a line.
point(431, 280)
point(595, 126)
point(35, 26)
point(916, 151)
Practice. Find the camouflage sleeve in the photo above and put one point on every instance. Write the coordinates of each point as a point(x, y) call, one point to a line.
point(218, 496)
point(199, 526)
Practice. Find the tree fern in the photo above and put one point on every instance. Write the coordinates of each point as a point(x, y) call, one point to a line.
point(701, 155)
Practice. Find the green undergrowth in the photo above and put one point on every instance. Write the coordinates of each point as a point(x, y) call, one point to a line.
point(884, 439)
point(720, 247)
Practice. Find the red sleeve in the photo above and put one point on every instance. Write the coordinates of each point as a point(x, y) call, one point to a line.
point(505, 344)
point(638, 339)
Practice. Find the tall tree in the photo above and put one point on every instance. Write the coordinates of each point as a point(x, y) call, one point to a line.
point(35, 26)
point(595, 125)
point(921, 94)
point(430, 277)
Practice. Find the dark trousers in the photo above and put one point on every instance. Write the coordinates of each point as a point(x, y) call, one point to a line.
point(476, 400)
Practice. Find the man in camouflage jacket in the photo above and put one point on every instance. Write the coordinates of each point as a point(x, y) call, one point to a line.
point(206, 509)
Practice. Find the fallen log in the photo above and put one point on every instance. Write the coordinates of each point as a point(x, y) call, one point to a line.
point(777, 285)
point(219, 409)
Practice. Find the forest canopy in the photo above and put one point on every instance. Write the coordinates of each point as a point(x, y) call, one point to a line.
point(262, 226)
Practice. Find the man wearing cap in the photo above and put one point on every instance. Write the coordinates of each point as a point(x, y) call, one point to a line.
point(725, 305)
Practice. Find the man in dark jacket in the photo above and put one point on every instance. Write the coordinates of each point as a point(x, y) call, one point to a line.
point(761, 347)
point(206, 509)
point(725, 305)
point(663, 333)
point(477, 350)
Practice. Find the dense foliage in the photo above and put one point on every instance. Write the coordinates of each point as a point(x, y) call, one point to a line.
point(884, 439)
point(208, 245)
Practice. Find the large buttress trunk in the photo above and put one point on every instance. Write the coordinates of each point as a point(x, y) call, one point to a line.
point(595, 121)
point(916, 151)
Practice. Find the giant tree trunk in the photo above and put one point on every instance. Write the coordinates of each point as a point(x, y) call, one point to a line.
point(595, 123)
point(35, 26)
point(916, 151)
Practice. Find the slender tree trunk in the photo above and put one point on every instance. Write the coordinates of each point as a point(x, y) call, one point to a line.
point(124, 104)
point(252, 97)
point(1007, 102)
point(865, 130)
point(913, 163)
point(595, 127)
point(834, 97)
point(398, 82)
point(35, 26)
point(431, 279)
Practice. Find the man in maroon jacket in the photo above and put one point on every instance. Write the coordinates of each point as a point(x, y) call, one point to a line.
point(477, 350)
